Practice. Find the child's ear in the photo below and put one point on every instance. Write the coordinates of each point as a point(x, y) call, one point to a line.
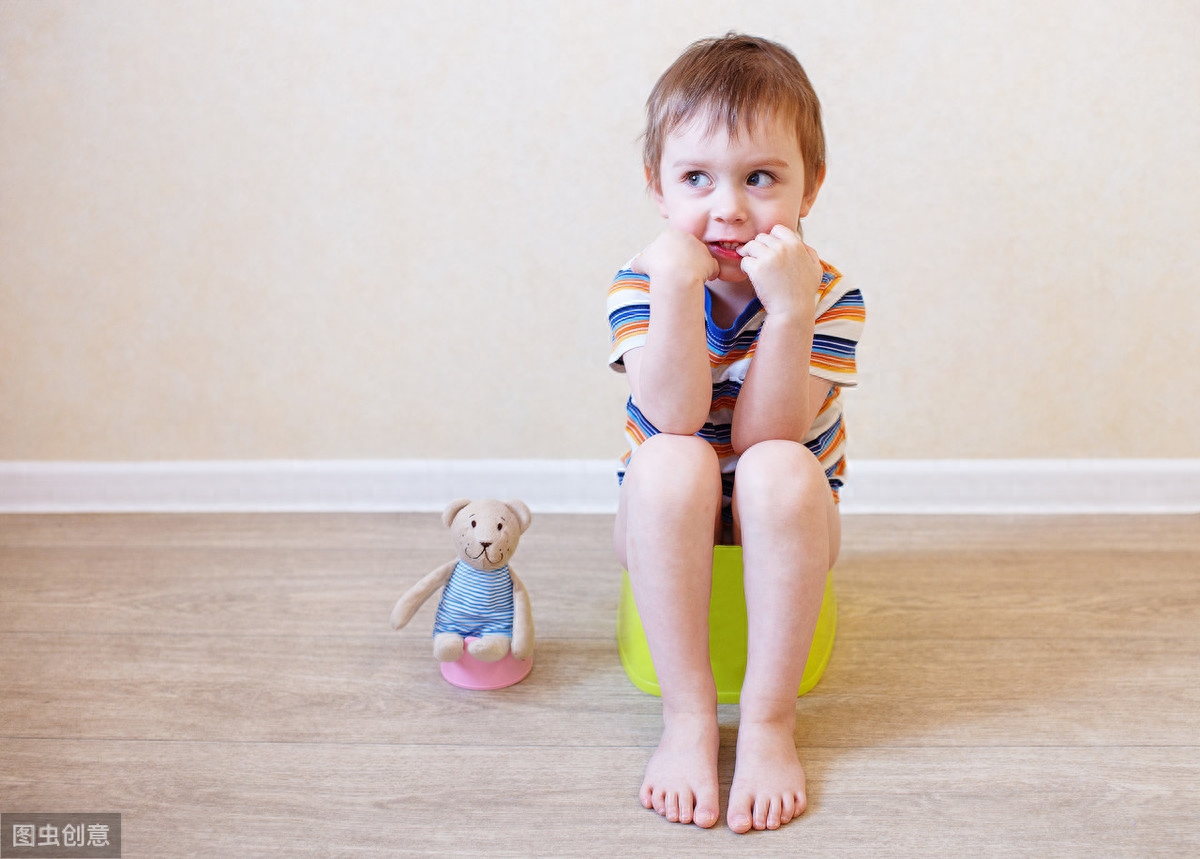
point(655, 189)
point(810, 194)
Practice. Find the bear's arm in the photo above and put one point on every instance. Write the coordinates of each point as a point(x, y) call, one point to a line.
point(415, 596)
point(522, 637)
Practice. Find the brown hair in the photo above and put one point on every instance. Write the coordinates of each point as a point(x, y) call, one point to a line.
point(739, 80)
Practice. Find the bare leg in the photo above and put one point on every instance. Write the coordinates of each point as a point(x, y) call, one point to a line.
point(664, 536)
point(790, 535)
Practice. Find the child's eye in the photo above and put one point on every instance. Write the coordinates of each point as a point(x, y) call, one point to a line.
point(760, 179)
point(695, 179)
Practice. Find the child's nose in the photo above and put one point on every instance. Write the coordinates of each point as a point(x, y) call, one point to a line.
point(729, 206)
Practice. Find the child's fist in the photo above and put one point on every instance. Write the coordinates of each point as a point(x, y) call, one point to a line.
point(785, 272)
point(676, 256)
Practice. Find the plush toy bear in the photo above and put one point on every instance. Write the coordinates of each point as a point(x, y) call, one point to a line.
point(483, 599)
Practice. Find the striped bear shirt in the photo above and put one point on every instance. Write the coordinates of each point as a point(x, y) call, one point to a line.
point(476, 603)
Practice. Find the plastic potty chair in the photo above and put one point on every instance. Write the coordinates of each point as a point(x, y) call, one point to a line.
point(727, 630)
point(471, 673)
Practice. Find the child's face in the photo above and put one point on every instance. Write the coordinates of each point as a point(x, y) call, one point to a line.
point(726, 191)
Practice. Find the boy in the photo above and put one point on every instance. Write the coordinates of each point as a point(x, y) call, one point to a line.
point(734, 420)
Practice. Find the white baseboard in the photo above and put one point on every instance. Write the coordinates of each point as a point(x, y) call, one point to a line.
point(551, 486)
point(1023, 486)
point(1017, 486)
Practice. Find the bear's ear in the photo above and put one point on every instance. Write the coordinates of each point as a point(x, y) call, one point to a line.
point(524, 517)
point(452, 510)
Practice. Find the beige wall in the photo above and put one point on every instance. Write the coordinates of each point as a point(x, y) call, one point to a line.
point(380, 229)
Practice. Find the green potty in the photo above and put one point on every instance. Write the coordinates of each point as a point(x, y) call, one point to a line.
point(726, 632)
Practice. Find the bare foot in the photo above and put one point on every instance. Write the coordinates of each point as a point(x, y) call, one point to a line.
point(768, 781)
point(681, 778)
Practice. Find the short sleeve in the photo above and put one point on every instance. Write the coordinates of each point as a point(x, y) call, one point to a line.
point(628, 315)
point(841, 315)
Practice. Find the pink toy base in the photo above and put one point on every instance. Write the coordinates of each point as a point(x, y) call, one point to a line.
point(470, 673)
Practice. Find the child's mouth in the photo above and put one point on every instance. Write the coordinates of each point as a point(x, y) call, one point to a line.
point(725, 250)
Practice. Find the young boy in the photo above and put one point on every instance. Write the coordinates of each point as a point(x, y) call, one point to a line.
point(736, 339)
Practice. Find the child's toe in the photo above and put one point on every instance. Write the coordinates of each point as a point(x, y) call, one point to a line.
point(775, 813)
point(672, 806)
point(687, 805)
point(660, 802)
point(708, 809)
point(761, 806)
point(739, 816)
point(788, 810)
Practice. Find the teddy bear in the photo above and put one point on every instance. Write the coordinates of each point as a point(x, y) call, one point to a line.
point(484, 605)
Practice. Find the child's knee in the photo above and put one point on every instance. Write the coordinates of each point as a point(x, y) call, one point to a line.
point(781, 475)
point(671, 478)
point(676, 464)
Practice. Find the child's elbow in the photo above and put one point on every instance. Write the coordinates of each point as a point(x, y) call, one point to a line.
point(676, 412)
point(681, 428)
point(740, 442)
point(743, 437)
point(680, 421)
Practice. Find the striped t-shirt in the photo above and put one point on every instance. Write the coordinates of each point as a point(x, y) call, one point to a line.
point(476, 602)
point(840, 314)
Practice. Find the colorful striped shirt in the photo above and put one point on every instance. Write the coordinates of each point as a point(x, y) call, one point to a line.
point(840, 314)
point(476, 602)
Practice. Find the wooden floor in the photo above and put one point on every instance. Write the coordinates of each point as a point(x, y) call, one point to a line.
point(230, 685)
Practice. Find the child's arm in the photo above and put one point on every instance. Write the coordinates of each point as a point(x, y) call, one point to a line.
point(779, 398)
point(669, 375)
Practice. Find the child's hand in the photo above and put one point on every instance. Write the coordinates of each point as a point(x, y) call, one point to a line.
point(785, 272)
point(676, 257)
